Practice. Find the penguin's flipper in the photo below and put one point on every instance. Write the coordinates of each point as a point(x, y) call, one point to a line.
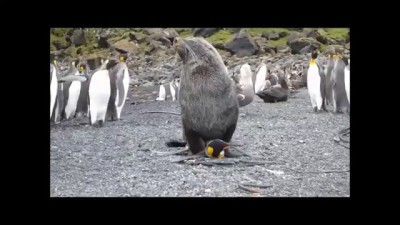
point(73, 78)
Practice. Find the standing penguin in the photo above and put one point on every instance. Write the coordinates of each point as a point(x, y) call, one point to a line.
point(71, 92)
point(119, 78)
point(261, 75)
point(82, 108)
point(161, 94)
point(347, 77)
point(174, 88)
point(53, 88)
point(340, 101)
point(244, 89)
point(99, 96)
point(328, 84)
point(316, 83)
point(59, 102)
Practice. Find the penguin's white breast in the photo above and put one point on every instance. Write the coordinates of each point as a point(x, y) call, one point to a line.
point(313, 79)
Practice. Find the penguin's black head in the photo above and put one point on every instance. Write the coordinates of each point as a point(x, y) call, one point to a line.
point(314, 54)
point(216, 148)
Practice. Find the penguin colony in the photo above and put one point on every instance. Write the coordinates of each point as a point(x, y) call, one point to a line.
point(100, 94)
point(79, 92)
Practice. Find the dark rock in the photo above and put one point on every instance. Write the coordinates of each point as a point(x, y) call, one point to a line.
point(273, 36)
point(321, 36)
point(265, 34)
point(78, 38)
point(161, 37)
point(150, 31)
point(204, 32)
point(233, 30)
point(298, 44)
point(103, 39)
point(294, 36)
point(94, 63)
point(60, 44)
point(283, 34)
point(242, 45)
point(219, 46)
point(170, 34)
point(125, 45)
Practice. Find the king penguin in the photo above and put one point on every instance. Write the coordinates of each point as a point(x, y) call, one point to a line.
point(71, 92)
point(174, 88)
point(119, 78)
point(328, 72)
point(82, 108)
point(161, 94)
point(53, 88)
point(244, 89)
point(347, 77)
point(59, 101)
point(316, 83)
point(99, 95)
point(261, 75)
point(340, 101)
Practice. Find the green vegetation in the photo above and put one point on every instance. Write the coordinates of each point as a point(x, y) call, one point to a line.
point(221, 36)
point(256, 32)
point(59, 37)
point(337, 33)
point(280, 42)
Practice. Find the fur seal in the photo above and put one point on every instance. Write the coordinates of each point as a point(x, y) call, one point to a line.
point(316, 83)
point(244, 89)
point(276, 93)
point(340, 102)
point(207, 95)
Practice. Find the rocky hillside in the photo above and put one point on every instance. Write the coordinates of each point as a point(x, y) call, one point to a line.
point(152, 59)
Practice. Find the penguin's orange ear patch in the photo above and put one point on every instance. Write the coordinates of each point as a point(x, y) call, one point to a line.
point(210, 151)
point(121, 58)
point(312, 62)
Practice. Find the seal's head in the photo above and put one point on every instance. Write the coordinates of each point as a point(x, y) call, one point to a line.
point(198, 52)
point(216, 148)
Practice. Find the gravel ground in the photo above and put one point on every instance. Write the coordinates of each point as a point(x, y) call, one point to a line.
point(119, 159)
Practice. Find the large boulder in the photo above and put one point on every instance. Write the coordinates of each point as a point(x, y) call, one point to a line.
point(150, 31)
point(298, 44)
point(204, 32)
point(125, 46)
point(78, 38)
point(293, 36)
point(242, 44)
point(103, 39)
point(321, 36)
